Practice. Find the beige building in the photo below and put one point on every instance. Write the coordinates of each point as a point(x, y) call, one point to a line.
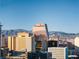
point(76, 43)
point(21, 42)
point(58, 52)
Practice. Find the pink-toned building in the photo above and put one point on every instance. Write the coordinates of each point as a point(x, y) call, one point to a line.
point(41, 29)
point(40, 32)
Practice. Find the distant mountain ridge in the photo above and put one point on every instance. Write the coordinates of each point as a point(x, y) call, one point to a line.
point(15, 31)
point(59, 32)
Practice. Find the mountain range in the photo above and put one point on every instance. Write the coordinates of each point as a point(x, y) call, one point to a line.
point(15, 31)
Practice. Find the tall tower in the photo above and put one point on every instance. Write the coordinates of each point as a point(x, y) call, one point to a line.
point(0, 35)
point(41, 29)
point(40, 32)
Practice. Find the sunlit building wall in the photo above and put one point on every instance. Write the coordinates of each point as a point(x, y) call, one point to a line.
point(21, 42)
point(76, 44)
point(76, 41)
point(58, 52)
point(11, 43)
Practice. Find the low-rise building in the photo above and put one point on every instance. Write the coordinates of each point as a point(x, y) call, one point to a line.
point(58, 52)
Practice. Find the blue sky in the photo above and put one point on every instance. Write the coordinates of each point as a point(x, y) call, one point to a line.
point(59, 15)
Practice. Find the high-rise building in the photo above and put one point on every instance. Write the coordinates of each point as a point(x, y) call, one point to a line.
point(3, 45)
point(11, 42)
point(41, 29)
point(21, 42)
point(4, 41)
point(40, 32)
point(0, 35)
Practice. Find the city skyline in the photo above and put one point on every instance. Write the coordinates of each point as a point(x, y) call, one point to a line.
point(59, 15)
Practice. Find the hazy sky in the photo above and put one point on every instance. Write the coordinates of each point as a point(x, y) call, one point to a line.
point(59, 15)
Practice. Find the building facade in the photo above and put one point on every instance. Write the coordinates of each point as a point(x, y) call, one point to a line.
point(40, 32)
point(76, 44)
point(21, 42)
point(58, 52)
